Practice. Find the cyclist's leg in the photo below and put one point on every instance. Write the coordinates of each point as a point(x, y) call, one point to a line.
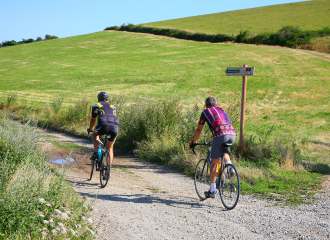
point(112, 133)
point(99, 130)
point(96, 140)
point(110, 149)
point(214, 169)
point(228, 139)
point(215, 156)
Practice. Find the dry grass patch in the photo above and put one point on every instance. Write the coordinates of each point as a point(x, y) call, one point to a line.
point(249, 174)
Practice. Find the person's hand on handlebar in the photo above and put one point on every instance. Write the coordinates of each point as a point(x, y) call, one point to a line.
point(192, 145)
point(89, 130)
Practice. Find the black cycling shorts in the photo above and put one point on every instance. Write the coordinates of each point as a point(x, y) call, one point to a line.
point(110, 131)
point(217, 145)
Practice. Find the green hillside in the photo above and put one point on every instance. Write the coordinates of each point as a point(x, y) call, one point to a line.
point(287, 82)
point(308, 15)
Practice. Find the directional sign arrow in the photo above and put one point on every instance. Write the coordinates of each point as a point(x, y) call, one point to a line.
point(240, 71)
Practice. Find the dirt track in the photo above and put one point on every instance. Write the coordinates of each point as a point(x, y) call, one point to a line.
point(144, 200)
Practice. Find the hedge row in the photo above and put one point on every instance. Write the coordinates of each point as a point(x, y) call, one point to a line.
point(30, 40)
point(176, 33)
point(288, 36)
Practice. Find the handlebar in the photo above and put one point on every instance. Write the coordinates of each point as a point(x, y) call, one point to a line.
point(204, 143)
point(89, 131)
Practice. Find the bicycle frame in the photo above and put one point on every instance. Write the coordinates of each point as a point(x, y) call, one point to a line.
point(223, 162)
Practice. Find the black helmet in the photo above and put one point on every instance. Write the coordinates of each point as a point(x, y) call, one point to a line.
point(103, 96)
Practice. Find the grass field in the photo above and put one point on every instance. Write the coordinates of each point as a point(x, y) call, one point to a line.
point(308, 15)
point(289, 92)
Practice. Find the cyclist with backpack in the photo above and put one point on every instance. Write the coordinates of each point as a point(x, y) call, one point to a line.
point(104, 115)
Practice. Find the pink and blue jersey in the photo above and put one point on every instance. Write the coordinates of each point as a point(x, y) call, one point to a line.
point(218, 121)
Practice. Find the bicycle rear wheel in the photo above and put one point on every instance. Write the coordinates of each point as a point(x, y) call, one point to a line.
point(229, 186)
point(202, 178)
point(105, 169)
point(93, 164)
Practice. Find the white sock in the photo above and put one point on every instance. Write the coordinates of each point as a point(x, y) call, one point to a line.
point(228, 162)
point(213, 185)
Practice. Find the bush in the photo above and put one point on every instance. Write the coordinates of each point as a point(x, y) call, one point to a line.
point(79, 113)
point(49, 37)
point(56, 103)
point(243, 37)
point(9, 43)
point(146, 118)
point(32, 194)
point(12, 99)
point(30, 40)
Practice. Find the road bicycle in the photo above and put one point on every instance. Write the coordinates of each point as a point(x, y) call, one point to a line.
point(103, 163)
point(227, 184)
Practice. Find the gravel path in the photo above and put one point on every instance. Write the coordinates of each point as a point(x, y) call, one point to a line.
point(144, 200)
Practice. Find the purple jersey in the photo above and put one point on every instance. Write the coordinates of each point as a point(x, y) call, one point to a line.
point(218, 121)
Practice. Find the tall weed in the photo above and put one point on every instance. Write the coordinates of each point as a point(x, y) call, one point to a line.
point(56, 102)
point(12, 99)
point(79, 113)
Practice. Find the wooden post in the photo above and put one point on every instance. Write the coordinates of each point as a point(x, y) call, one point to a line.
point(243, 101)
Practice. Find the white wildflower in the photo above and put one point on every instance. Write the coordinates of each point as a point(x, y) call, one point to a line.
point(61, 224)
point(83, 218)
point(85, 206)
point(42, 201)
point(57, 211)
point(46, 222)
point(51, 223)
point(91, 231)
point(69, 212)
point(54, 232)
point(90, 221)
point(73, 232)
point(44, 234)
point(78, 226)
point(65, 216)
point(41, 215)
point(48, 204)
point(63, 230)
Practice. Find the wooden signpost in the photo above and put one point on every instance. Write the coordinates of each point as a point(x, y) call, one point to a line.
point(241, 71)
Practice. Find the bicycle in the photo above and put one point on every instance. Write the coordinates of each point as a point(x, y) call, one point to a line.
point(227, 183)
point(103, 163)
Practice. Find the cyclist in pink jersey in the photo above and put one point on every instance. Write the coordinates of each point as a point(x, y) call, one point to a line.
point(222, 131)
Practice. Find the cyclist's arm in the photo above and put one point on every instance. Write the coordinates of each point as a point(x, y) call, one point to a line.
point(198, 132)
point(92, 123)
point(95, 114)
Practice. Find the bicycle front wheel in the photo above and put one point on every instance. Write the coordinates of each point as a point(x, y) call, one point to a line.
point(202, 178)
point(105, 169)
point(229, 186)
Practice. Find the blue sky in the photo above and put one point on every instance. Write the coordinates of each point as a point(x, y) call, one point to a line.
point(64, 18)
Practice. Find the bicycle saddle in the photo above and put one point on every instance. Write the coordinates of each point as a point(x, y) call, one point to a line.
point(227, 144)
